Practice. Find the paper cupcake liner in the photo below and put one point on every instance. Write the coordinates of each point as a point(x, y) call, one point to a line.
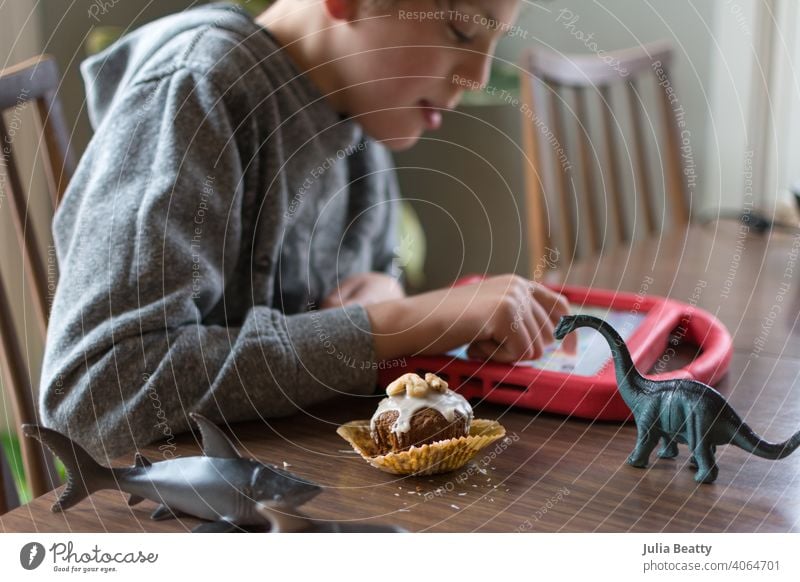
point(438, 457)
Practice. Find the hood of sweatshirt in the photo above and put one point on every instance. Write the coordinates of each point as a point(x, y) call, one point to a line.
point(107, 74)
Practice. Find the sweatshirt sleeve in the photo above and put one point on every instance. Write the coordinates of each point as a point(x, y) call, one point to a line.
point(147, 234)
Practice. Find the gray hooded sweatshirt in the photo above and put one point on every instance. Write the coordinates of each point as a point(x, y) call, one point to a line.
point(219, 201)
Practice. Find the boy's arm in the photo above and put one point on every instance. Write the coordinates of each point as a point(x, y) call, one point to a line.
point(146, 238)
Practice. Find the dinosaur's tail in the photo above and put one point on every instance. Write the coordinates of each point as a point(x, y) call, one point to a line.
point(746, 439)
point(84, 474)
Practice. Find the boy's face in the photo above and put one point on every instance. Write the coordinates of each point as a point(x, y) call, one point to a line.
point(406, 64)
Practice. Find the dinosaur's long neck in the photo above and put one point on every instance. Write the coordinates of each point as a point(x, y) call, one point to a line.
point(627, 374)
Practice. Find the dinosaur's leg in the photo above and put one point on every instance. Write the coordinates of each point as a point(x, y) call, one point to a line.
point(692, 439)
point(669, 450)
point(707, 469)
point(693, 461)
point(646, 441)
point(704, 454)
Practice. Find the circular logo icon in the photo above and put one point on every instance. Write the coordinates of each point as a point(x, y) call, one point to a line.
point(31, 555)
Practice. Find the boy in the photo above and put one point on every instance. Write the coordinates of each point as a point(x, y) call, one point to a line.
point(226, 243)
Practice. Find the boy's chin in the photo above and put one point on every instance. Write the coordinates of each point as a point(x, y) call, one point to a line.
point(399, 144)
point(396, 135)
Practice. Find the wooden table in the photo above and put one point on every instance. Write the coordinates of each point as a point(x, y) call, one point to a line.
point(559, 474)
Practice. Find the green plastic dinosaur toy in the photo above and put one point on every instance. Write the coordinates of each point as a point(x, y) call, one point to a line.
point(677, 411)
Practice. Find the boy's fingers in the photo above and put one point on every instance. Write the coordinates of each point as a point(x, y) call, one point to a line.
point(535, 345)
point(556, 306)
point(482, 350)
point(517, 344)
point(545, 326)
point(506, 352)
point(554, 303)
point(533, 327)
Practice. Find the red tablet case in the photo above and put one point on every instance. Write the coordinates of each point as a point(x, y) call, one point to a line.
point(594, 397)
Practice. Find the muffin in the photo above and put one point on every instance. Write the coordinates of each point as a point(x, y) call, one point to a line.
point(417, 412)
point(421, 428)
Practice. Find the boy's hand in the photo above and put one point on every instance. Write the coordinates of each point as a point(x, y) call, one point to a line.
point(505, 318)
point(366, 289)
point(535, 316)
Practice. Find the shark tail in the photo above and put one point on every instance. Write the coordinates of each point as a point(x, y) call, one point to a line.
point(84, 474)
point(746, 439)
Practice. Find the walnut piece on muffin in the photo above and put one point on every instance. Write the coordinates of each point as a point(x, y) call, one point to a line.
point(419, 411)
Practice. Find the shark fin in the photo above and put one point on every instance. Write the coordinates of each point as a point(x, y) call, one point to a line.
point(215, 443)
point(84, 474)
point(163, 512)
point(141, 461)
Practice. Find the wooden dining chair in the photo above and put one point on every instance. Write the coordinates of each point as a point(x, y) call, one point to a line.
point(603, 163)
point(32, 83)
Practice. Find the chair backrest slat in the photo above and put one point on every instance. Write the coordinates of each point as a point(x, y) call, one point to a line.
point(60, 164)
point(587, 168)
point(26, 233)
point(676, 182)
point(562, 175)
point(643, 183)
point(534, 178)
point(612, 167)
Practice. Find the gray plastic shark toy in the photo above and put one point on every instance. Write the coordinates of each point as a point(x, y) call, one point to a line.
point(230, 492)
